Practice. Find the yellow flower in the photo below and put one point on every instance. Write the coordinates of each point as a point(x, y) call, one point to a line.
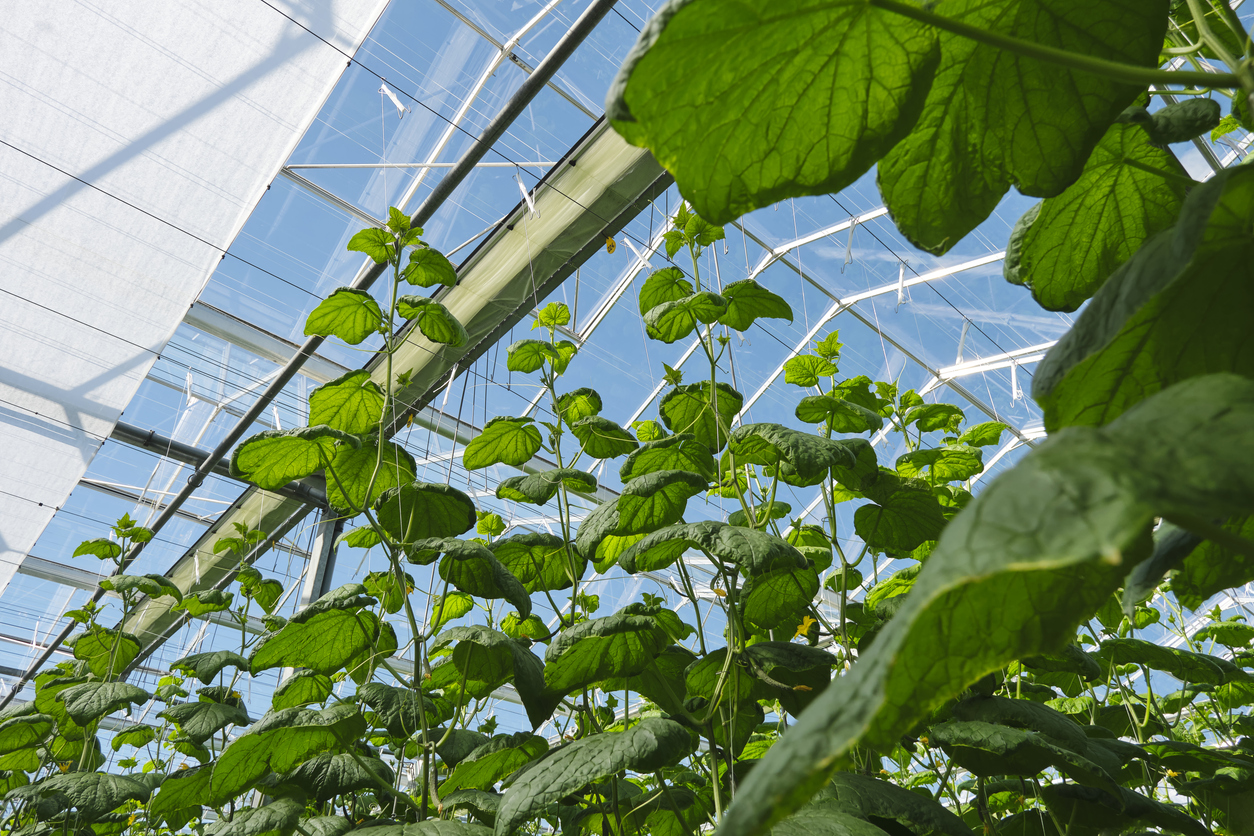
point(804, 627)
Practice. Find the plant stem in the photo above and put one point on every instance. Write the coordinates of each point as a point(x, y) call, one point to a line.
point(1114, 70)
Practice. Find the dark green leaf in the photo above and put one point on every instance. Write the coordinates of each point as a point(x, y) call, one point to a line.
point(539, 488)
point(701, 410)
point(779, 598)
point(324, 641)
point(93, 794)
point(474, 569)
point(1072, 517)
point(301, 688)
point(154, 586)
point(956, 463)
point(278, 742)
point(106, 652)
point(420, 510)
point(137, 736)
point(24, 732)
point(427, 268)
point(987, 749)
point(434, 320)
point(753, 552)
point(810, 456)
point(601, 438)
point(870, 799)
point(396, 710)
point(1209, 568)
point(748, 301)
point(201, 720)
point(482, 805)
point(905, 516)
point(730, 99)
point(656, 499)
point(504, 440)
point(1175, 310)
point(202, 603)
point(352, 315)
point(1184, 665)
point(328, 775)
point(431, 827)
point(662, 680)
point(619, 645)
point(278, 818)
point(493, 760)
point(540, 561)
point(994, 118)
point(675, 452)
point(93, 700)
point(645, 747)
point(352, 403)
point(482, 661)
point(665, 285)
point(841, 415)
point(1079, 238)
point(1100, 809)
point(273, 458)
point(764, 512)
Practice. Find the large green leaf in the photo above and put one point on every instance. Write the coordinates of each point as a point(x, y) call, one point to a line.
point(906, 515)
point(731, 99)
point(529, 356)
point(753, 552)
point(422, 509)
point(181, 795)
point(810, 456)
point(154, 586)
point(352, 315)
point(656, 499)
point(93, 700)
point(106, 652)
point(24, 732)
point(430, 827)
point(301, 688)
point(870, 799)
point(354, 470)
point(473, 568)
point(504, 440)
point(92, 794)
point(328, 635)
point(540, 561)
point(495, 759)
point(1071, 519)
point(995, 118)
point(482, 661)
point(428, 267)
point(986, 749)
point(273, 458)
point(672, 321)
point(328, 775)
point(1184, 665)
point(396, 710)
point(201, 720)
point(352, 403)
point(539, 488)
point(205, 666)
point(825, 818)
point(434, 320)
point(1072, 243)
point(278, 742)
point(665, 285)
point(843, 416)
point(748, 301)
point(1101, 810)
point(693, 409)
point(1210, 568)
point(675, 452)
point(951, 463)
point(662, 680)
point(645, 747)
point(622, 644)
point(601, 438)
point(578, 404)
point(1178, 308)
point(779, 598)
point(278, 818)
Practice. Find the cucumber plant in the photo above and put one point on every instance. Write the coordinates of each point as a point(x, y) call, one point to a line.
point(996, 683)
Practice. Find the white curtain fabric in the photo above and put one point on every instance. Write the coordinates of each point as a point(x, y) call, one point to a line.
point(135, 139)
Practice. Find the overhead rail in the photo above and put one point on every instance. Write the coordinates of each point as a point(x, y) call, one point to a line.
point(442, 191)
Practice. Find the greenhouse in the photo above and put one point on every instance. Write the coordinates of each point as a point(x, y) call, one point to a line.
point(450, 417)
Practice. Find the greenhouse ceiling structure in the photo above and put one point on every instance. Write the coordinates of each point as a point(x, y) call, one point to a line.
point(179, 182)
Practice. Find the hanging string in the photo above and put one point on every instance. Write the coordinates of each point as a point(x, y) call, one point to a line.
point(853, 224)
